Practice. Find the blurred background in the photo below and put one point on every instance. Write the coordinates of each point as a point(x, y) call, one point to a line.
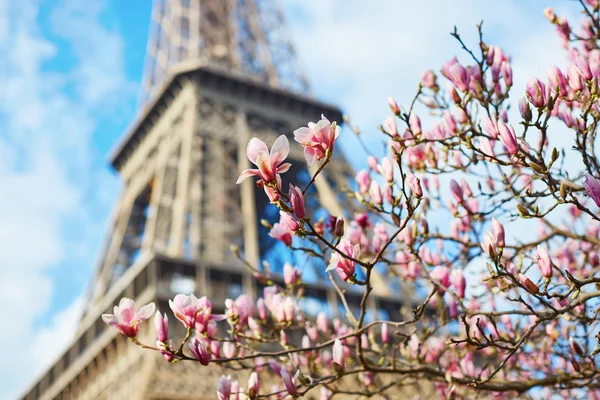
point(70, 72)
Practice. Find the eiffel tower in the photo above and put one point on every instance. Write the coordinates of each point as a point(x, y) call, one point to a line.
point(217, 73)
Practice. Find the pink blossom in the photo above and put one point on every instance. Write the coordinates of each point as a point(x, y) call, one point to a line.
point(441, 276)
point(297, 201)
point(524, 109)
point(253, 385)
point(592, 188)
point(508, 138)
point(380, 236)
point(459, 282)
point(161, 323)
point(269, 163)
point(415, 124)
point(393, 105)
point(544, 262)
point(487, 147)
point(557, 80)
point(375, 193)
point(386, 169)
point(341, 264)
point(288, 381)
point(458, 75)
point(490, 126)
point(290, 274)
point(498, 230)
point(199, 351)
point(414, 184)
point(536, 92)
point(583, 66)
point(338, 355)
point(323, 322)
point(363, 180)
point(389, 125)
point(428, 78)
point(281, 231)
point(489, 244)
point(187, 308)
point(126, 319)
point(385, 333)
point(507, 73)
point(575, 81)
point(224, 388)
point(317, 139)
point(456, 191)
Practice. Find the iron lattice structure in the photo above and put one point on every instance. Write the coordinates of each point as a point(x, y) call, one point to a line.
point(245, 37)
point(218, 73)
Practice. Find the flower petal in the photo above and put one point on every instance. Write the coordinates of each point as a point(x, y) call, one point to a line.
point(110, 319)
point(126, 310)
point(280, 150)
point(246, 174)
point(255, 146)
point(145, 312)
point(302, 135)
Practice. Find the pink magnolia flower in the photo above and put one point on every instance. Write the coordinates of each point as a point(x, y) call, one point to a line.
point(415, 124)
point(544, 262)
point(269, 163)
point(574, 78)
point(338, 355)
point(317, 139)
point(592, 188)
point(342, 265)
point(487, 147)
point(228, 349)
point(253, 385)
point(281, 231)
point(224, 388)
point(507, 74)
point(380, 236)
point(126, 319)
point(458, 75)
point(363, 180)
point(414, 184)
point(385, 333)
point(498, 230)
point(456, 191)
point(386, 169)
point(199, 351)
point(161, 323)
point(557, 80)
point(261, 308)
point(459, 282)
point(188, 308)
point(441, 276)
point(289, 382)
point(524, 109)
point(389, 125)
point(536, 92)
point(290, 274)
point(323, 322)
point(489, 244)
point(428, 78)
point(375, 193)
point(393, 105)
point(297, 201)
point(508, 138)
point(490, 126)
point(583, 66)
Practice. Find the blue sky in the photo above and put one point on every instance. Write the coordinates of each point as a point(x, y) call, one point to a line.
point(70, 73)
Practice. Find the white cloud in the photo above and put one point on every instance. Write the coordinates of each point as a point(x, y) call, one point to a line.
point(47, 172)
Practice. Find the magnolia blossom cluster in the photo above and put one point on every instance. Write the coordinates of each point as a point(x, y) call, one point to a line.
point(479, 218)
